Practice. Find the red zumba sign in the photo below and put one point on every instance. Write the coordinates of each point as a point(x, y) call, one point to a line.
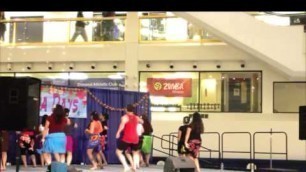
point(178, 87)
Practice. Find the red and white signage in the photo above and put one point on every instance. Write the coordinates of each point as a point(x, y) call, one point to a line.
point(178, 87)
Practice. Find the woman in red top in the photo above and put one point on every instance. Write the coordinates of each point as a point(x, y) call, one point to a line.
point(94, 130)
point(55, 140)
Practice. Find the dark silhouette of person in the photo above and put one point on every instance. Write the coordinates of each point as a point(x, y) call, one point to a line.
point(79, 28)
point(2, 26)
point(108, 26)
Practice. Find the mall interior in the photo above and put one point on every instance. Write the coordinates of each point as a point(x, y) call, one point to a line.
point(245, 72)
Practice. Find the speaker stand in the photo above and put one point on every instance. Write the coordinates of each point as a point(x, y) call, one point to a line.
point(18, 156)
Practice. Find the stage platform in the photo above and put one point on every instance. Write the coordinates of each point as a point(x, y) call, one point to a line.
point(108, 168)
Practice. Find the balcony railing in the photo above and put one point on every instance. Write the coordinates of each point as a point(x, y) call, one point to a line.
point(24, 31)
point(62, 30)
point(171, 29)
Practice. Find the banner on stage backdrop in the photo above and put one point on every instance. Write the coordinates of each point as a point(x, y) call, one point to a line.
point(178, 87)
point(75, 99)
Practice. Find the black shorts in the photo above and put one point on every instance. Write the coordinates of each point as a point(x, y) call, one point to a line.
point(121, 145)
point(25, 151)
point(181, 149)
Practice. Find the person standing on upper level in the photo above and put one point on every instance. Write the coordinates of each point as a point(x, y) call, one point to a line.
point(2, 26)
point(79, 28)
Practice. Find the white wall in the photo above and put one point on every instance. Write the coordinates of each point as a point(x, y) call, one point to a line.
point(276, 45)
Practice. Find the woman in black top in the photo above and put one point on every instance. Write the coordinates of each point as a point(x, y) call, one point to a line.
point(193, 138)
point(181, 149)
point(103, 139)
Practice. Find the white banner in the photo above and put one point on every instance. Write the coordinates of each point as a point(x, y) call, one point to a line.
point(75, 99)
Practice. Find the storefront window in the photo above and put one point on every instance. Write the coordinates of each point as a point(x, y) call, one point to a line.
point(203, 91)
point(288, 96)
point(230, 92)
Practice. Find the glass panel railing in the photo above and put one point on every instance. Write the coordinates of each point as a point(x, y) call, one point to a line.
point(42, 30)
point(172, 29)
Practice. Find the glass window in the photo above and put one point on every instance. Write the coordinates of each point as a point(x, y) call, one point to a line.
point(288, 96)
point(203, 91)
point(230, 92)
point(171, 91)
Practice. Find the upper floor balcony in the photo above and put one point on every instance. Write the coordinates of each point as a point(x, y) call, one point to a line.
point(41, 30)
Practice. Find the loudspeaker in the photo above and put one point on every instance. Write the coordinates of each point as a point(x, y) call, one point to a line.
point(181, 164)
point(58, 167)
point(19, 103)
point(302, 123)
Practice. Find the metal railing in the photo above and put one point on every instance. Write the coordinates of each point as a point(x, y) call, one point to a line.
point(171, 139)
point(152, 29)
point(231, 151)
point(271, 152)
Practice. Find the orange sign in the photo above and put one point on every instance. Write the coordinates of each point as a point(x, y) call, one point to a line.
point(178, 87)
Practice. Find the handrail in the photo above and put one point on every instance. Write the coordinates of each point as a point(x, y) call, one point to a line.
point(59, 19)
point(203, 147)
point(150, 37)
point(228, 133)
point(271, 133)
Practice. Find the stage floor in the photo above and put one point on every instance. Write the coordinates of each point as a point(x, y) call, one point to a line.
point(108, 168)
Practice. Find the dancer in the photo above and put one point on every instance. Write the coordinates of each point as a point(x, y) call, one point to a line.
point(94, 130)
point(193, 138)
point(146, 144)
point(69, 138)
point(4, 136)
point(181, 149)
point(55, 140)
point(103, 136)
point(130, 138)
point(26, 144)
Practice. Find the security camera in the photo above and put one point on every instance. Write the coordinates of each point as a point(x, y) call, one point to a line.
point(171, 66)
point(71, 66)
point(9, 66)
point(50, 66)
point(93, 66)
point(194, 66)
point(218, 66)
point(242, 65)
point(148, 65)
point(115, 66)
point(29, 66)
